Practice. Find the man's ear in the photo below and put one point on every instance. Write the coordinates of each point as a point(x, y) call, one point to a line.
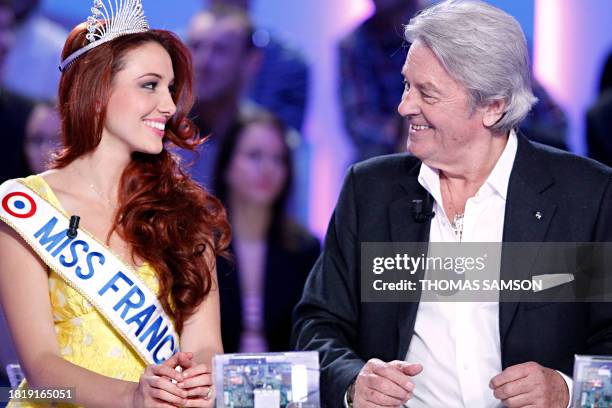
point(493, 112)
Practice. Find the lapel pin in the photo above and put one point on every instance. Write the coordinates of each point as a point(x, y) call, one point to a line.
point(538, 215)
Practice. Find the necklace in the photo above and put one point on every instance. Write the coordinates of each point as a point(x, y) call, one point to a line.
point(457, 221)
point(94, 189)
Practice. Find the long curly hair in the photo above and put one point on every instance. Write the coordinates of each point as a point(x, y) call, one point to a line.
point(167, 219)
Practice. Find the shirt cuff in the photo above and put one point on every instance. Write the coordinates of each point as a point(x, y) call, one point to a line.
point(568, 381)
point(346, 405)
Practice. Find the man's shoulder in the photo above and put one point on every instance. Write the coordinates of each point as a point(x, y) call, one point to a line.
point(387, 166)
point(569, 166)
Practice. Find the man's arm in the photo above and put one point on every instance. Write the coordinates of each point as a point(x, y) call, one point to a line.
point(327, 317)
point(600, 319)
point(532, 384)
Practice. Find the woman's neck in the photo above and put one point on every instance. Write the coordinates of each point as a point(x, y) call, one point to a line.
point(101, 171)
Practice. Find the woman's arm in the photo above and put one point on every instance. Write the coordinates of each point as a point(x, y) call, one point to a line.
point(201, 333)
point(24, 295)
point(201, 337)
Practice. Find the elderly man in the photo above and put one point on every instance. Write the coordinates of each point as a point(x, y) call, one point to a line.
point(467, 88)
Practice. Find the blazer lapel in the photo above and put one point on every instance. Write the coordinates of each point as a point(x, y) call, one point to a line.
point(405, 228)
point(527, 219)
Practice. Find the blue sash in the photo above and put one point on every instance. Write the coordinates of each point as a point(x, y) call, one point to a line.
point(93, 270)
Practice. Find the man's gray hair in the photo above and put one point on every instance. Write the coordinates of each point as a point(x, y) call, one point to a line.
point(484, 49)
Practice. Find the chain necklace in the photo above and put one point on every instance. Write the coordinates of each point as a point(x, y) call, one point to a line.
point(94, 189)
point(457, 221)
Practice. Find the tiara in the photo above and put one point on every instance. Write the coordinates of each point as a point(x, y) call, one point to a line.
point(107, 23)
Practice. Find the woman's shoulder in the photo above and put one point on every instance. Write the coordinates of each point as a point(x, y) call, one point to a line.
point(44, 184)
point(34, 182)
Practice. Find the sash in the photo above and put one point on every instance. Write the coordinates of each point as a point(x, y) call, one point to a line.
point(93, 270)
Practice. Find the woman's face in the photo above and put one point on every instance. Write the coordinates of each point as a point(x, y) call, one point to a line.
point(257, 171)
point(141, 102)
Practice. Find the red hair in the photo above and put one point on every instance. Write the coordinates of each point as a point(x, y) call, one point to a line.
point(167, 218)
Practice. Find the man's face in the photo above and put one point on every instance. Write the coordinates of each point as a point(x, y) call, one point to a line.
point(442, 125)
point(6, 32)
point(219, 48)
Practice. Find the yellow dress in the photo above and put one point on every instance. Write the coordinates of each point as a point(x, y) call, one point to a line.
point(85, 337)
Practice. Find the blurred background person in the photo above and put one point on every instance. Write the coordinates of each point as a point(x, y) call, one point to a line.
point(605, 81)
point(224, 60)
point(13, 115)
point(14, 110)
point(273, 255)
point(281, 84)
point(38, 42)
point(599, 119)
point(546, 123)
point(225, 63)
point(42, 137)
point(371, 58)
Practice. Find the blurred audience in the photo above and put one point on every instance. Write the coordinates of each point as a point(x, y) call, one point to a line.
point(42, 137)
point(13, 114)
point(38, 42)
point(605, 82)
point(14, 110)
point(225, 62)
point(281, 84)
point(371, 60)
point(599, 119)
point(546, 123)
point(272, 254)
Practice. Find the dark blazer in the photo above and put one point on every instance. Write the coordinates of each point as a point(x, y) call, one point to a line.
point(287, 267)
point(574, 198)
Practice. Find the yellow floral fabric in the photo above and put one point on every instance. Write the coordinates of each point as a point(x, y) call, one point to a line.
point(84, 336)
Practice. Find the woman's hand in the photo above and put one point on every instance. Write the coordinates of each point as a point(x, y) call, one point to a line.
point(156, 389)
point(197, 382)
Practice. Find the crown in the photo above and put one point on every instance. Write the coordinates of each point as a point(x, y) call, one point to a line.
point(109, 21)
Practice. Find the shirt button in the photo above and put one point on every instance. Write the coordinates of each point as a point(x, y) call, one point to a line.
point(466, 366)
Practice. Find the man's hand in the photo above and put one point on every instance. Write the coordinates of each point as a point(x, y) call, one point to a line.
point(381, 384)
point(530, 384)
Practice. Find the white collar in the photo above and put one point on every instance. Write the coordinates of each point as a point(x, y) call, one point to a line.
point(496, 182)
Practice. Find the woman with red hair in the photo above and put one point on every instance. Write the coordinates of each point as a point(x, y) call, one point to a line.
point(148, 234)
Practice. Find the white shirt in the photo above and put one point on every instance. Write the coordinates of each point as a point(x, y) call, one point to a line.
point(458, 343)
